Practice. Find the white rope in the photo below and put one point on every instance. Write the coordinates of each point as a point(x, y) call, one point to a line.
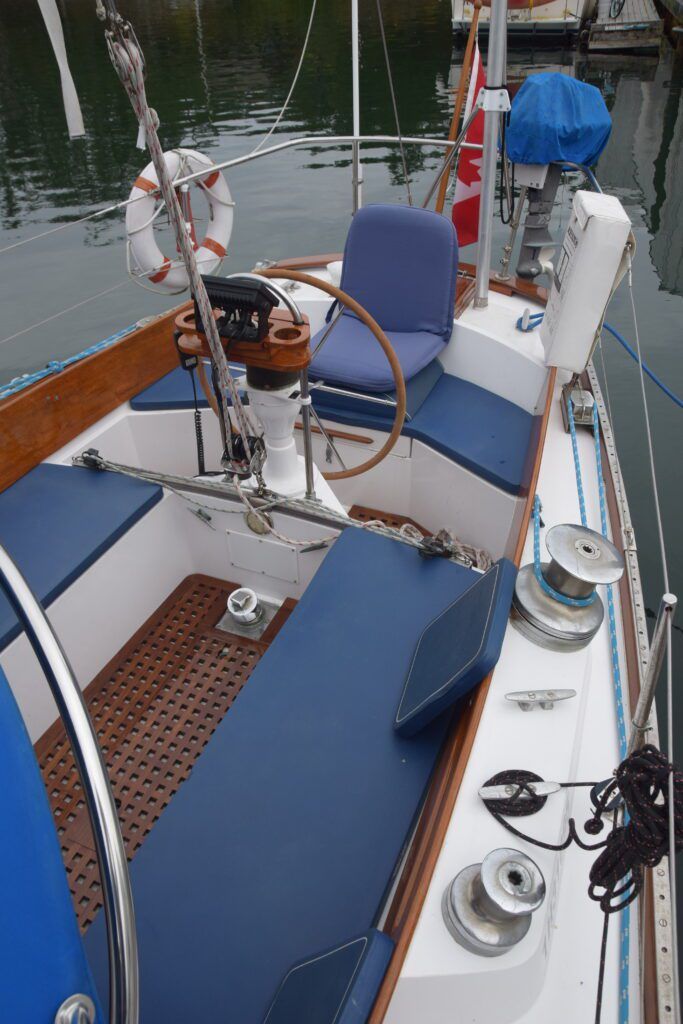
point(262, 518)
point(294, 81)
point(669, 659)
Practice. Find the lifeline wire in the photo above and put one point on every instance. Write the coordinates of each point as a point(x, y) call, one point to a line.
point(293, 85)
point(393, 101)
point(669, 661)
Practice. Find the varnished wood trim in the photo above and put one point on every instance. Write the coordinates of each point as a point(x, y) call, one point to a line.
point(466, 271)
point(464, 293)
point(445, 785)
point(39, 421)
point(515, 286)
point(308, 262)
point(338, 435)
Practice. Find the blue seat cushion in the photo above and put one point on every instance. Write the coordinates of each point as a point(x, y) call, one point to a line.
point(57, 520)
point(285, 838)
point(457, 649)
point(401, 264)
point(338, 986)
point(468, 424)
point(477, 429)
point(43, 960)
point(173, 391)
point(352, 356)
point(363, 409)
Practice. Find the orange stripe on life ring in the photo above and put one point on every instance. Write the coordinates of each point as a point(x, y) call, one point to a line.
point(213, 246)
point(211, 180)
point(162, 273)
point(145, 184)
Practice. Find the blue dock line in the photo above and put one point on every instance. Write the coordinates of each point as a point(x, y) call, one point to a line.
point(624, 929)
point(536, 319)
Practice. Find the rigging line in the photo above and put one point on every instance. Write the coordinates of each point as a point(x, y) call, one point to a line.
point(293, 85)
point(669, 659)
point(69, 309)
point(393, 101)
point(648, 430)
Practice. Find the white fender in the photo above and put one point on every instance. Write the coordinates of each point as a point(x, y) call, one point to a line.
point(144, 255)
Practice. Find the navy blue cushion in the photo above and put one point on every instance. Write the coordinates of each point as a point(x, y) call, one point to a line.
point(57, 520)
point(457, 649)
point(353, 357)
point(361, 410)
point(285, 837)
point(468, 424)
point(338, 986)
point(401, 264)
point(477, 429)
point(43, 961)
point(173, 391)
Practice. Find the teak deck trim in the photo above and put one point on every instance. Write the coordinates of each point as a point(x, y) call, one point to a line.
point(39, 421)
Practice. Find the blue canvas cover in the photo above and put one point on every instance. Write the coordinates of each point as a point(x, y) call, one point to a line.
point(555, 118)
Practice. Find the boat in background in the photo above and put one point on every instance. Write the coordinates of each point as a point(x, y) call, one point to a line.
point(331, 573)
point(556, 19)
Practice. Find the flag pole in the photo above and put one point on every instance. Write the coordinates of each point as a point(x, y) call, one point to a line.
point(496, 102)
point(460, 99)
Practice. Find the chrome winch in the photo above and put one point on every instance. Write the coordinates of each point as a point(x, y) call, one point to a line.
point(564, 612)
point(487, 907)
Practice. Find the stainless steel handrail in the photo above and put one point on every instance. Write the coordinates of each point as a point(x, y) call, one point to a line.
point(307, 141)
point(111, 854)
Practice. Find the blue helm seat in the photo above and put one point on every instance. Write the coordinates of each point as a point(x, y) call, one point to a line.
point(400, 264)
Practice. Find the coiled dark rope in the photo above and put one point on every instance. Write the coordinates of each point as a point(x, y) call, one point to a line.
point(641, 841)
point(198, 429)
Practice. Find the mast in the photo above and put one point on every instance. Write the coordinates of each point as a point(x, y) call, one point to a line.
point(357, 171)
point(496, 101)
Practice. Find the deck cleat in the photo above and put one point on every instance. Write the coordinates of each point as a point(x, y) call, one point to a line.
point(487, 908)
point(563, 611)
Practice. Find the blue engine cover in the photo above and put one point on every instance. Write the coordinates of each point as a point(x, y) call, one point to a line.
point(556, 118)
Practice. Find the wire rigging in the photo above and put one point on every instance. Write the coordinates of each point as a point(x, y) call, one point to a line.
point(393, 100)
point(292, 87)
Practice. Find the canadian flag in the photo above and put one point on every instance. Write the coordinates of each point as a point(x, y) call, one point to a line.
point(468, 180)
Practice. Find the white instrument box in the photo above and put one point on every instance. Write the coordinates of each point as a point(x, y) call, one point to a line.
point(586, 273)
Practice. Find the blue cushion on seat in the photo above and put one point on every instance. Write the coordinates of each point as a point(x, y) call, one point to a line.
point(172, 391)
point(457, 649)
point(43, 961)
point(352, 356)
point(57, 520)
point(468, 424)
point(477, 429)
point(285, 838)
point(338, 986)
point(401, 265)
point(360, 409)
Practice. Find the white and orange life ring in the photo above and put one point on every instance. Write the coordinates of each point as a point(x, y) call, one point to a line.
point(145, 258)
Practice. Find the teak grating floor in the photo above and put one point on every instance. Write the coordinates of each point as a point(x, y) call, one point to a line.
point(154, 706)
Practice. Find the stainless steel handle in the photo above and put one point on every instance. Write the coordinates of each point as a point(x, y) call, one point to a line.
point(111, 854)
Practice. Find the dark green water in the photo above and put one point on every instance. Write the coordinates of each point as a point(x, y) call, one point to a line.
point(218, 73)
